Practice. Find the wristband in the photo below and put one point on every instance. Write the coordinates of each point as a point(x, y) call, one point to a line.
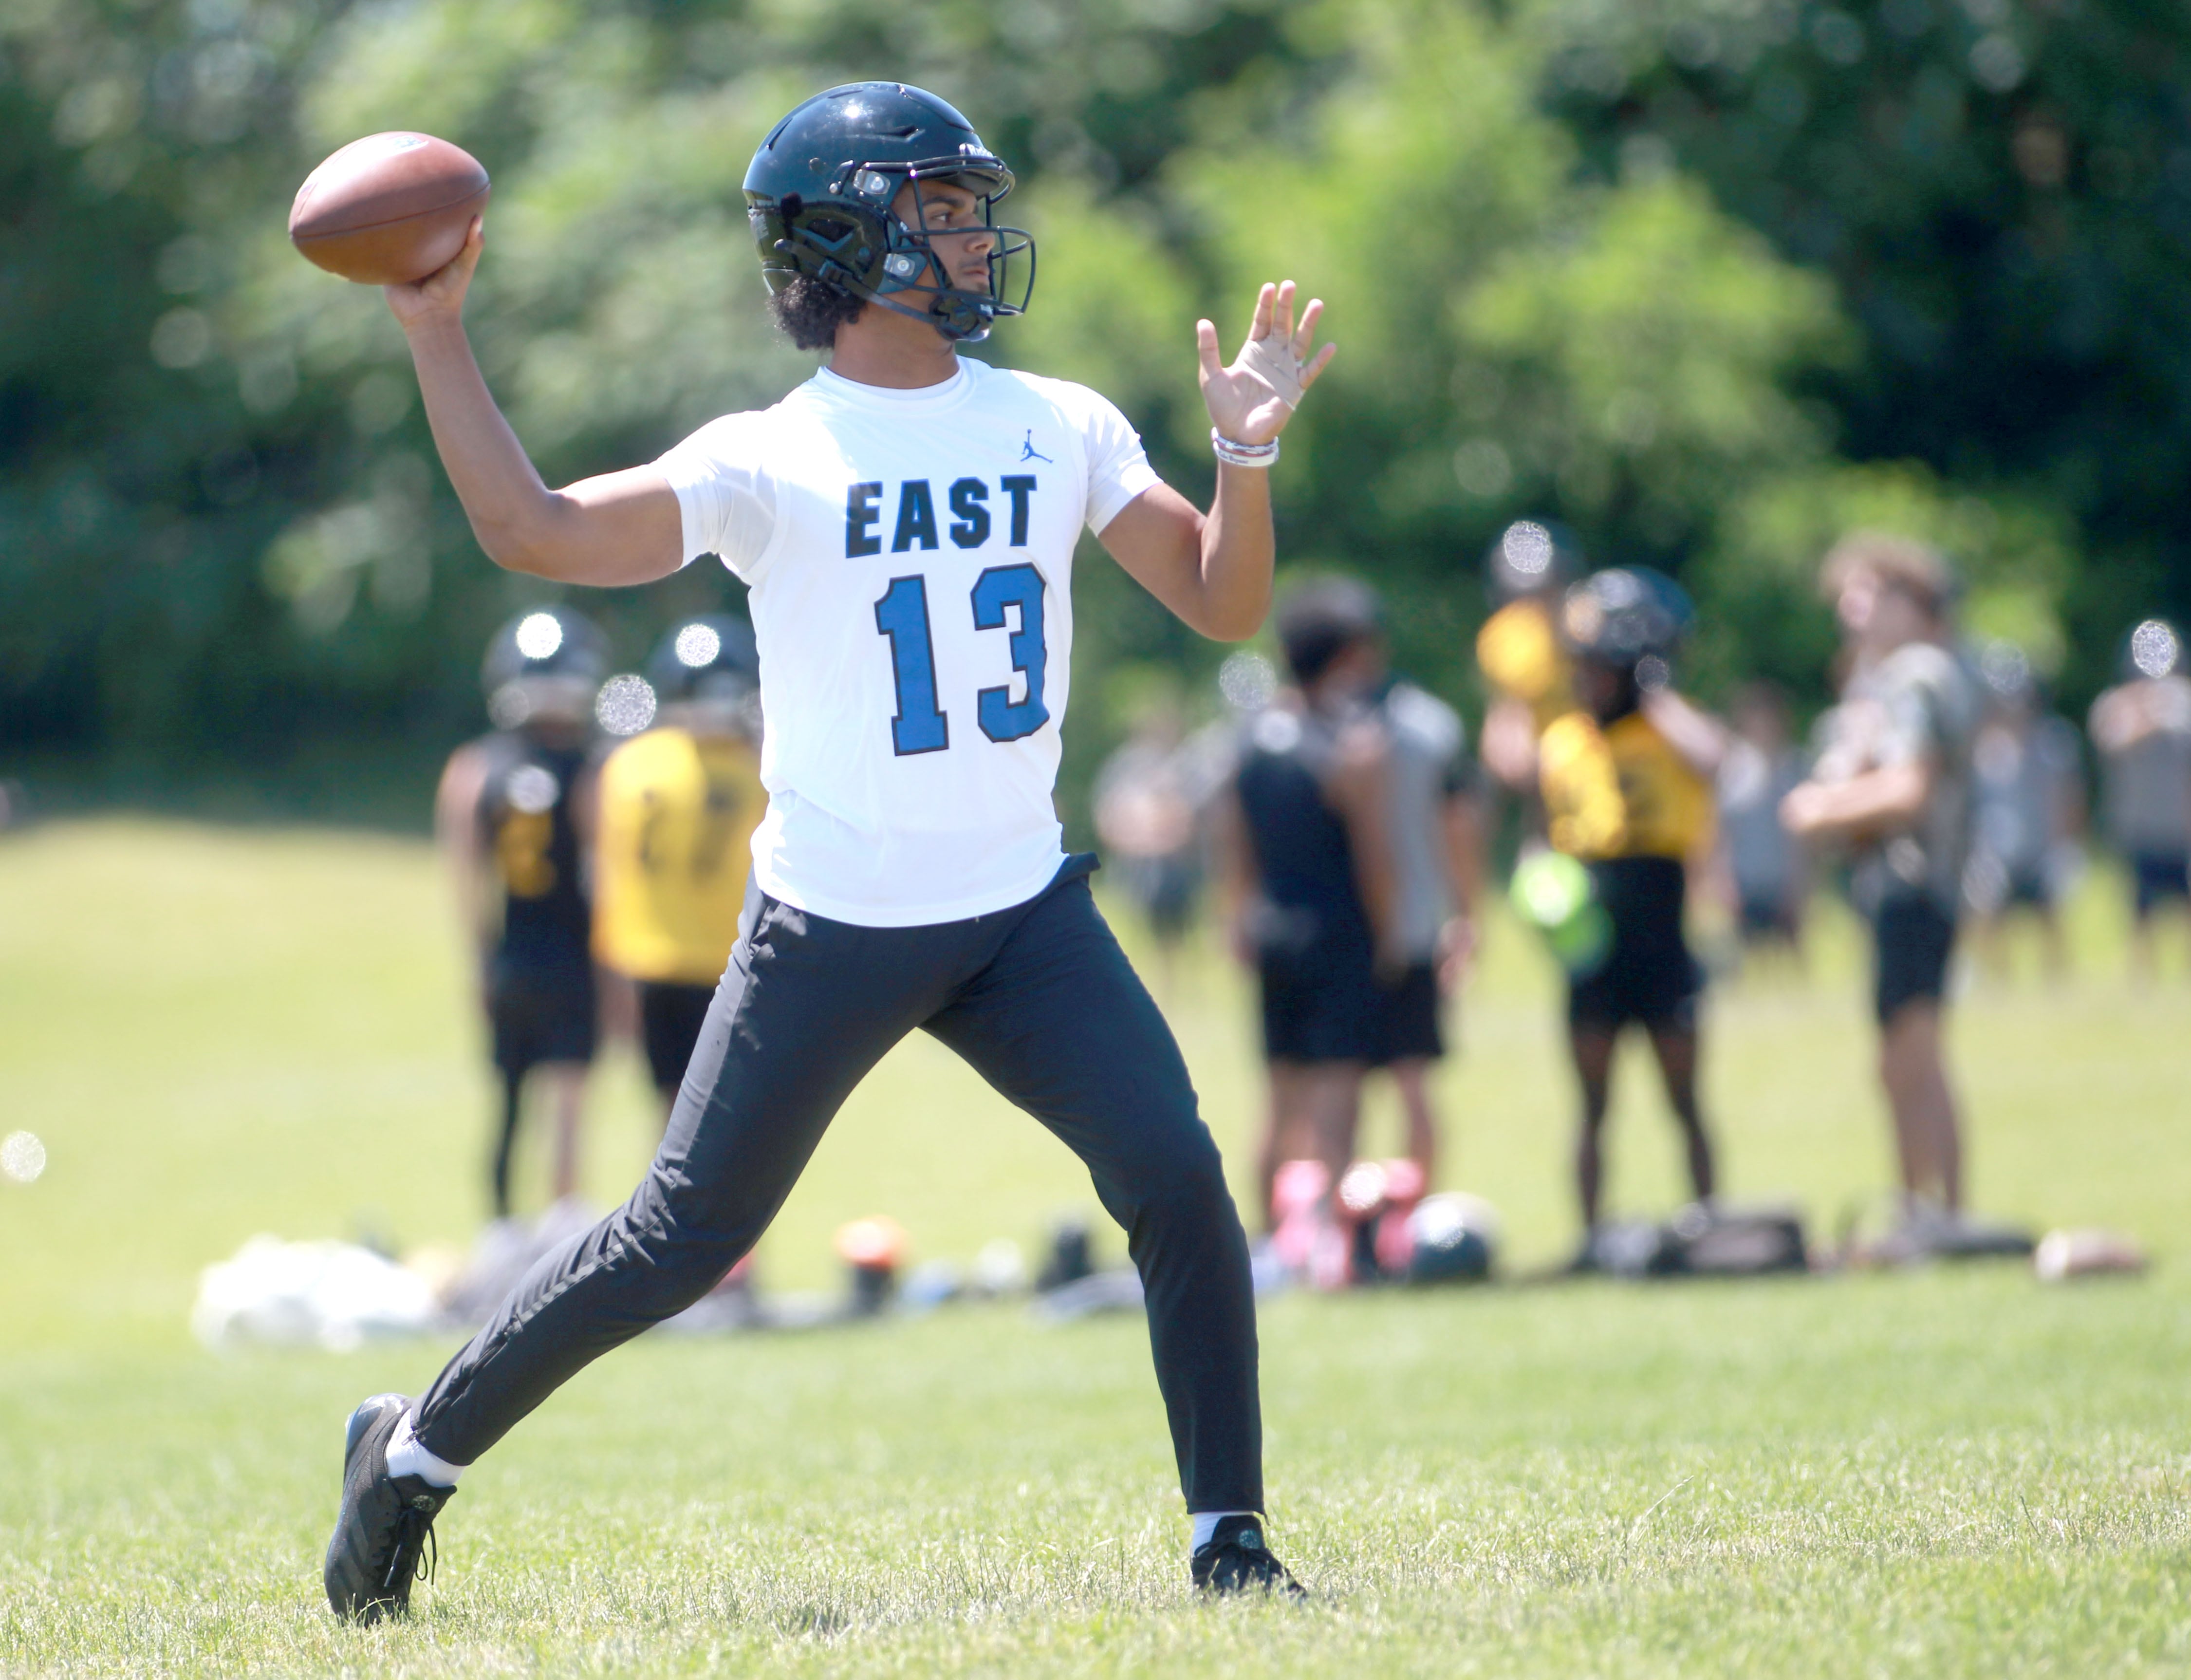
point(1242, 454)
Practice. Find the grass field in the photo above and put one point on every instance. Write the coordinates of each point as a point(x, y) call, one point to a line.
point(1948, 1472)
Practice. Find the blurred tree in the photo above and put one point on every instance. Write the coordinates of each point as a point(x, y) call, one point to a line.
point(135, 489)
point(222, 540)
point(2002, 192)
point(1642, 267)
point(1759, 580)
point(1516, 339)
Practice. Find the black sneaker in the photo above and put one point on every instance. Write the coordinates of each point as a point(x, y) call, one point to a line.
point(1236, 1561)
point(386, 1522)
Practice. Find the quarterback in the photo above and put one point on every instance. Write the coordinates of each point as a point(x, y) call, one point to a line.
point(906, 523)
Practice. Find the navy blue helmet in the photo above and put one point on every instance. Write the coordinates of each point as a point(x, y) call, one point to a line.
point(1626, 614)
point(819, 194)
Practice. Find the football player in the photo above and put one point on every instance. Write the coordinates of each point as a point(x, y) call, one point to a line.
point(1436, 824)
point(1627, 790)
point(1359, 796)
point(1892, 786)
point(674, 842)
point(906, 521)
point(1519, 652)
point(1766, 876)
point(2142, 727)
point(508, 814)
point(1310, 875)
point(2027, 812)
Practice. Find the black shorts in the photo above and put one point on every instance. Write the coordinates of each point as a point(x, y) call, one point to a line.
point(670, 1016)
point(541, 1016)
point(1648, 975)
point(1322, 1003)
point(2156, 877)
point(1912, 937)
point(1409, 1018)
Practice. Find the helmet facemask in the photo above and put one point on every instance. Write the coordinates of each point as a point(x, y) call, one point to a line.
point(856, 240)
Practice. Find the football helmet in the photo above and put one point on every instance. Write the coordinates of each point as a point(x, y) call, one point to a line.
point(1626, 614)
point(1529, 557)
point(711, 659)
point(819, 193)
point(543, 667)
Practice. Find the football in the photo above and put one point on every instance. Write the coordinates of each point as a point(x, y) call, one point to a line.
point(388, 209)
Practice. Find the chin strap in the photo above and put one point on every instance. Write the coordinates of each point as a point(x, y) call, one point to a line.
point(939, 318)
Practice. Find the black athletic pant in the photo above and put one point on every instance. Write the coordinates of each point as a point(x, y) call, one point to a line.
point(1042, 1003)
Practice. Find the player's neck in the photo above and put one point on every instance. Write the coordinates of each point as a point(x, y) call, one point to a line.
point(884, 348)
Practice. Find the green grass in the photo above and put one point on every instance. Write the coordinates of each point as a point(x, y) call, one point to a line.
point(218, 1032)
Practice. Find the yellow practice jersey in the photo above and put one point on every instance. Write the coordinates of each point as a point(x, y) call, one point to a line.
point(1518, 651)
point(1621, 791)
point(674, 845)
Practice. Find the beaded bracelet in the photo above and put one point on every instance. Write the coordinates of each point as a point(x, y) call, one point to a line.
point(1242, 454)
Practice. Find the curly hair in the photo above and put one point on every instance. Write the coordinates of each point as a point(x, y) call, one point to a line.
point(1917, 569)
point(809, 311)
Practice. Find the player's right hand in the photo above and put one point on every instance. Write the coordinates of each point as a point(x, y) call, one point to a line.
point(440, 294)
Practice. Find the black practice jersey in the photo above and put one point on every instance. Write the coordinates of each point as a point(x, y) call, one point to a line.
point(1301, 843)
point(530, 836)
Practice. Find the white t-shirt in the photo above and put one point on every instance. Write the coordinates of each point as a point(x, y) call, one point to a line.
point(910, 557)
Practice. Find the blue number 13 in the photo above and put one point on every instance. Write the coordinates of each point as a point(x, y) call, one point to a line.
point(902, 615)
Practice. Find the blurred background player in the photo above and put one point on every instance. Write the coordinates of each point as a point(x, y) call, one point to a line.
point(1519, 652)
point(1435, 831)
point(2143, 729)
point(678, 807)
point(1892, 785)
point(1148, 800)
point(2027, 803)
point(1767, 875)
point(1626, 779)
point(1309, 869)
point(511, 815)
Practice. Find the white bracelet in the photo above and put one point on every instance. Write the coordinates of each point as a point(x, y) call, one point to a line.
point(1242, 454)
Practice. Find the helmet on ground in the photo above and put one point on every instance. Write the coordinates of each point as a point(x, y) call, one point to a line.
point(1531, 555)
point(1454, 1238)
point(544, 664)
point(819, 194)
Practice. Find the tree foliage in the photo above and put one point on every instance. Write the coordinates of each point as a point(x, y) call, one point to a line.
point(1705, 279)
point(2000, 192)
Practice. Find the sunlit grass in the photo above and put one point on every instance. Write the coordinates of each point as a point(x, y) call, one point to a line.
point(219, 1033)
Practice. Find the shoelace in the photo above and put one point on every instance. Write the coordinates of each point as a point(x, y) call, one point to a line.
point(1257, 1568)
point(414, 1535)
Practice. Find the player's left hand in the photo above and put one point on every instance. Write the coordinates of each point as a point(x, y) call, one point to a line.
point(1251, 401)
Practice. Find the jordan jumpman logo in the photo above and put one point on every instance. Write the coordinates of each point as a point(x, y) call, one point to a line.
point(1029, 452)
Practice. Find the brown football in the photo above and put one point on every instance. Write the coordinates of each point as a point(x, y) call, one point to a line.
point(388, 209)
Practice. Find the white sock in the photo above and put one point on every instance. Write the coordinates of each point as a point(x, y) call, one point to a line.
point(406, 1457)
point(1205, 1524)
